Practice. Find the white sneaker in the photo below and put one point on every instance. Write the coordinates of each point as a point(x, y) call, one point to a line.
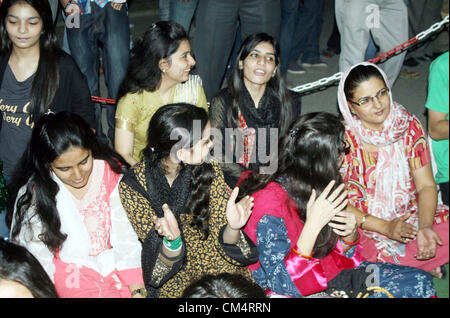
point(319, 63)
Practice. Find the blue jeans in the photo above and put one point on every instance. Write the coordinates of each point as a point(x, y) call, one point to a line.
point(300, 31)
point(111, 28)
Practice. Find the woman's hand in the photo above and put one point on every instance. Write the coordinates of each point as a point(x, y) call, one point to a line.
point(346, 223)
point(399, 230)
point(320, 211)
point(238, 213)
point(117, 6)
point(72, 8)
point(427, 241)
point(168, 225)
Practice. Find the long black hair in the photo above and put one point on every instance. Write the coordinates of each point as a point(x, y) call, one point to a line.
point(172, 127)
point(276, 84)
point(53, 135)
point(308, 159)
point(224, 285)
point(159, 41)
point(19, 265)
point(46, 79)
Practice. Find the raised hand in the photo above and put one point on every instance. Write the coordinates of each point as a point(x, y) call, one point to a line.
point(167, 225)
point(320, 211)
point(346, 223)
point(238, 213)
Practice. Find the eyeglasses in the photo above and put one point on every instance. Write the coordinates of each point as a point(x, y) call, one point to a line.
point(368, 101)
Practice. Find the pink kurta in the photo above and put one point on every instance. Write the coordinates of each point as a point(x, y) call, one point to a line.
point(309, 275)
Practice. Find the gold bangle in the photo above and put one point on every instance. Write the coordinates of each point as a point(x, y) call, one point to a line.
point(364, 219)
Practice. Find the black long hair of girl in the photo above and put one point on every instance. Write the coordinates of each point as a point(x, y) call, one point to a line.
point(308, 159)
point(17, 264)
point(159, 41)
point(53, 135)
point(173, 127)
point(276, 84)
point(46, 79)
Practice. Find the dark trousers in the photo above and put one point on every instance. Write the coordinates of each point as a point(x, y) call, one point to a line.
point(215, 33)
point(301, 26)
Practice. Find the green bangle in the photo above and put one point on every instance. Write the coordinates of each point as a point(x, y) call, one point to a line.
point(174, 245)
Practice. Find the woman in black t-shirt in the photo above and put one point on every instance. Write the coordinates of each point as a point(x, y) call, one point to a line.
point(36, 77)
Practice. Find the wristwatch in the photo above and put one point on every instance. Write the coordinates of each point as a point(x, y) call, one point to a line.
point(141, 291)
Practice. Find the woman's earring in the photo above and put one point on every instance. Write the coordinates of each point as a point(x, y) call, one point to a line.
point(163, 71)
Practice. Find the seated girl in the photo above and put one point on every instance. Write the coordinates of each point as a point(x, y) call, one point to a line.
point(255, 103)
point(181, 207)
point(307, 241)
point(68, 212)
point(158, 74)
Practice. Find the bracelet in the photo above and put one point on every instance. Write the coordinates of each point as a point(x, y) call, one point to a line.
point(364, 219)
point(174, 245)
point(355, 242)
point(302, 255)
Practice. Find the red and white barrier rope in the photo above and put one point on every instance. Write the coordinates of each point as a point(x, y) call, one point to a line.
point(336, 77)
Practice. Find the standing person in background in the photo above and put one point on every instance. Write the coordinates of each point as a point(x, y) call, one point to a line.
point(105, 22)
point(421, 15)
point(437, 105)
point(54, 7)
point(301, 25)
point(36, 77)
point(158, 74)
point(386, 20)
point(178, 11)
point(215, 33)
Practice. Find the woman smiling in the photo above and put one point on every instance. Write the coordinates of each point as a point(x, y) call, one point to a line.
point(255, 100)
point(158, 74)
